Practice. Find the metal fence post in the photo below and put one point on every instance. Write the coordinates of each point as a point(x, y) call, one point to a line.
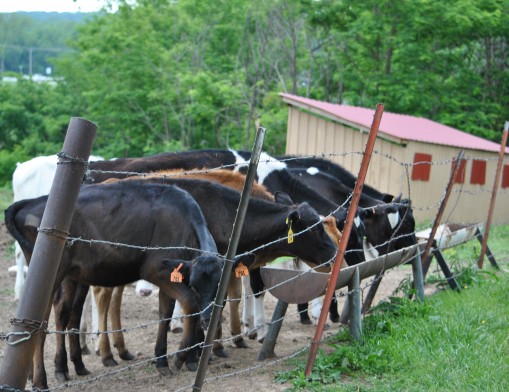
point(230, 255)
point(47, 252)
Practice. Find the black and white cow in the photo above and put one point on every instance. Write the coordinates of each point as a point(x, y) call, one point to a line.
point(148, 215)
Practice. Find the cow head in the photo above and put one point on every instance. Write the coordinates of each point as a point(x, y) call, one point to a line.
point(205, 276)
point(354, 253)
point(307, 238)
point(202, 275)
point(390, 226)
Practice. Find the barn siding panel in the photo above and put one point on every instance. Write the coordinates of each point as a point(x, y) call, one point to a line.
point(392, 174)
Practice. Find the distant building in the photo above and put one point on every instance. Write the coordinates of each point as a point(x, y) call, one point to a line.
point(316, 127)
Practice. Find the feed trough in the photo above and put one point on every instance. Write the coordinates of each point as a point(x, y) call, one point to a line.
point(452, 234)
point(299, 287)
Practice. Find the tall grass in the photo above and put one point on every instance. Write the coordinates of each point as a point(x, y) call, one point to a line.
point(451, 342)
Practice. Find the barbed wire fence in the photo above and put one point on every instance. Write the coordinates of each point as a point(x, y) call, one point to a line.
point(122, 371)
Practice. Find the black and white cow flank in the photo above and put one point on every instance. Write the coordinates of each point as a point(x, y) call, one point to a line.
point(152, 215)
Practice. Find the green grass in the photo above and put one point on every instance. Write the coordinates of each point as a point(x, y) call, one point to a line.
point(5, 197)
point(451, 342)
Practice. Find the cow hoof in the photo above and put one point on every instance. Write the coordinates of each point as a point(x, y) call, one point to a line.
point(126, 356)
point(192, 366)
point(109, 362)
point(221, 352)
point(164, 371)
point(82, 372)
point(240, 343)
point(261, 340)
point(85, 350)
point(306, 322)
point(177, 330)
point(178, 363)
point(252, 335)
point(334, 319)
point(62, 376)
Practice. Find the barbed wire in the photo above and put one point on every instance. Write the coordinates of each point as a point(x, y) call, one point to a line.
point(340, 293)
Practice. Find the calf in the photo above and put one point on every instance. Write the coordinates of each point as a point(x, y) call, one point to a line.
point(265, 222)
point(152, 215)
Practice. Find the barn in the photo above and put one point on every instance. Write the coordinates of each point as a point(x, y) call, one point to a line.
point(413, 156)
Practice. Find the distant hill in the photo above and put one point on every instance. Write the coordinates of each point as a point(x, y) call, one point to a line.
point(77, 17)
point(30, 40)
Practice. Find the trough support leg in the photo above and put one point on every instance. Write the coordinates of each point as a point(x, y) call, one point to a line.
point(491, 258)
point(267, 350)
point(445, 268)
point(418, 277)
point(355, 306)
point(372, 292)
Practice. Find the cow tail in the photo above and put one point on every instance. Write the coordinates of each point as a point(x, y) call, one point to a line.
point(10, 222)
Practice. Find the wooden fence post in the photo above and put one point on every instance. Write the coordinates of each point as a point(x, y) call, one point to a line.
point(30, 319)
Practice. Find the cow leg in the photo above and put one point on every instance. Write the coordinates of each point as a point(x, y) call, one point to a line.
point(103, 299)
point(248, 309)
point(303, 314)
point(333, 311)
point(257, 286)
point(165, 312)
point(176, 324)
point(114, 313)
point(74, 322)
point(84, 325)
point(20, 271)
point(39, 379)
point(234, 296)
point(62, 304)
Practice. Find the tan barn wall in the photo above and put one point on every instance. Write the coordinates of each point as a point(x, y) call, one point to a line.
point(390, 168)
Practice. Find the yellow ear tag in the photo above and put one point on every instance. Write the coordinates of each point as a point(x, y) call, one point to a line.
point(241, 270)
point(176, 276)
point(290, 232)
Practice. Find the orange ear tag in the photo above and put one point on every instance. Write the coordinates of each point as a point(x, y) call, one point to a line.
point(176, 276)
point(241, 270)
point(290, 232)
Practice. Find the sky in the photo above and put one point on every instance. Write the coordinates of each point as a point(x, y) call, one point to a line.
point(51, 5)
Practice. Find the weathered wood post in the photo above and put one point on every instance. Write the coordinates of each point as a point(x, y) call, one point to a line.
point(493, 196)
point(377, 118)
point(426, 257)
point(30, 320)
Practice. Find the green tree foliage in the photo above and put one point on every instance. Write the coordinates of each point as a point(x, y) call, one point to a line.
point(165, 75)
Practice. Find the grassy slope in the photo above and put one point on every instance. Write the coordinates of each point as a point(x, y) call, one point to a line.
point(452, 342)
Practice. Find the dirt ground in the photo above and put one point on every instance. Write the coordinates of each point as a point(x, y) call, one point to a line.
point(241, 370)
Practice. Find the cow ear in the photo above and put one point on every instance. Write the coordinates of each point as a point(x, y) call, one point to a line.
point(283, 198)
point(292, 216)
point(387, 198)
point(182, 266)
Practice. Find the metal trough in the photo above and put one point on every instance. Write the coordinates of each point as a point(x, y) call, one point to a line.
point(452, 234)
point(296, 287)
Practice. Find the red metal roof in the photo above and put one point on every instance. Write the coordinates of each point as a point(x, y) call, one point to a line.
point(400, 126)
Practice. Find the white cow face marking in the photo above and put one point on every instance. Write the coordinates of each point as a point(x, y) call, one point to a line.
point(239, 161)
point(267, 165)
point(393, 219)
point(312, 170)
